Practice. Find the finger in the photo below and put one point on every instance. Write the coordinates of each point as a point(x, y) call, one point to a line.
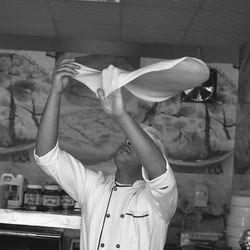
point(62, 61)
point(65, 74)
point(67, 60)
point(100, 93)
point(67, 67)
point(69, 64)
point(70, 72)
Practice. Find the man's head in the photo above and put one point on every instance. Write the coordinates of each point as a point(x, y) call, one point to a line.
point(126, 158)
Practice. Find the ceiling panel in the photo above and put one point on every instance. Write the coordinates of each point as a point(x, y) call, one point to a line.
point(88, 13)
point(26, 27)
point(223, 6)
point(210, 21)
point(151, 35)
point(182, 4)
point(25, 9)
point(95, 31)
point(216, 39)
point(151, 17)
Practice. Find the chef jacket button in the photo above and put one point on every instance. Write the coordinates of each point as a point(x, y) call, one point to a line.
point(115, 189)
point(122, 215)
point(107, 215)
point(102, 245)
point(117, 245)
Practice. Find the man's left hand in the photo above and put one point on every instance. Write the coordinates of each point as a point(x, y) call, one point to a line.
point(113, 104)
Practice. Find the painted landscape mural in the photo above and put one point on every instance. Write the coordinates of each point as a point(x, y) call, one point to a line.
point(24, 85)
point(199, 137)
point(242, 152)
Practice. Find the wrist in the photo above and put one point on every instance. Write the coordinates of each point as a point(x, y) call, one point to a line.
point(56, 91)
point(122, 117)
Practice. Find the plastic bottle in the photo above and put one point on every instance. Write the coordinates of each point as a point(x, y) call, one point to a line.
point(16, 189)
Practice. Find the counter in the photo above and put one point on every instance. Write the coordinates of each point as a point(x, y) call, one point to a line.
point(44, 219)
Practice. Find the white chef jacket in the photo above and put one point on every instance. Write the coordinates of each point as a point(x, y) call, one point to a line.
point(115, 216)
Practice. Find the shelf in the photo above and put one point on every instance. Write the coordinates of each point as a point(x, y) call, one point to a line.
point(44, 219)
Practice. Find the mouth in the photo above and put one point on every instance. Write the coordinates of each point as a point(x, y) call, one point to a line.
point(124, 149)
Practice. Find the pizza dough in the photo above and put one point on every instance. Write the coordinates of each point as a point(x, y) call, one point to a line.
point(156, 82)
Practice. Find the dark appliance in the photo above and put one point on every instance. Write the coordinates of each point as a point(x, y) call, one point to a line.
point(22, 237)
point(206, 93)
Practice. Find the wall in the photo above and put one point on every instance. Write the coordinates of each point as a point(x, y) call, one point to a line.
point(242, 137)
point(98, 141)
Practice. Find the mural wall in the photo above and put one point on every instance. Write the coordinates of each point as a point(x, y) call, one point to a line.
point(242, 134)
point(242, 149)
point(24, 85)
point(199, 137)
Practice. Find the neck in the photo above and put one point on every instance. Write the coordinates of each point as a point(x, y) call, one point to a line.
point(126, 178)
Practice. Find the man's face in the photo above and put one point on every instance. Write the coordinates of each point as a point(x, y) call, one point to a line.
point(125, 154)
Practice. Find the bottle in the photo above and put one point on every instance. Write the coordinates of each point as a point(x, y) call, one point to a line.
point(51, 197)
point(4, 190)
point(67, 202)
point(33, 197)
point(15, 190)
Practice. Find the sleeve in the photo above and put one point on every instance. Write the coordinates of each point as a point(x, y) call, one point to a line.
point(69, 173)
point(163, 193)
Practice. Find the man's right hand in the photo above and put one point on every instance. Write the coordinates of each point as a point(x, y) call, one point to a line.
point(63, 71)
point(47, 135)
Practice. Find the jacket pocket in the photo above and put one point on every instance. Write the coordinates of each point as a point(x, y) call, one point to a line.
point(137, 214)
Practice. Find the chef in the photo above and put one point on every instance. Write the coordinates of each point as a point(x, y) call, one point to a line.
point(130, 210)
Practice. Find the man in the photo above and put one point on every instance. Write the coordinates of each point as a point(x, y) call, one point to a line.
point(128, 211)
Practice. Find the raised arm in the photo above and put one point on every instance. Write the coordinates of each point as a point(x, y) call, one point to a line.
point(148, 153)
point(48, 127)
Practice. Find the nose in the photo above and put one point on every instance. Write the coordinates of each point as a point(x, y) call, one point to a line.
point(128, 143)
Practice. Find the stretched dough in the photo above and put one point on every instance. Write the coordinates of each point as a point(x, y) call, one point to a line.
point(156, 82)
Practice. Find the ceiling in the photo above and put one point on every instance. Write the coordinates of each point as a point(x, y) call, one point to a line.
point(201, 23)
